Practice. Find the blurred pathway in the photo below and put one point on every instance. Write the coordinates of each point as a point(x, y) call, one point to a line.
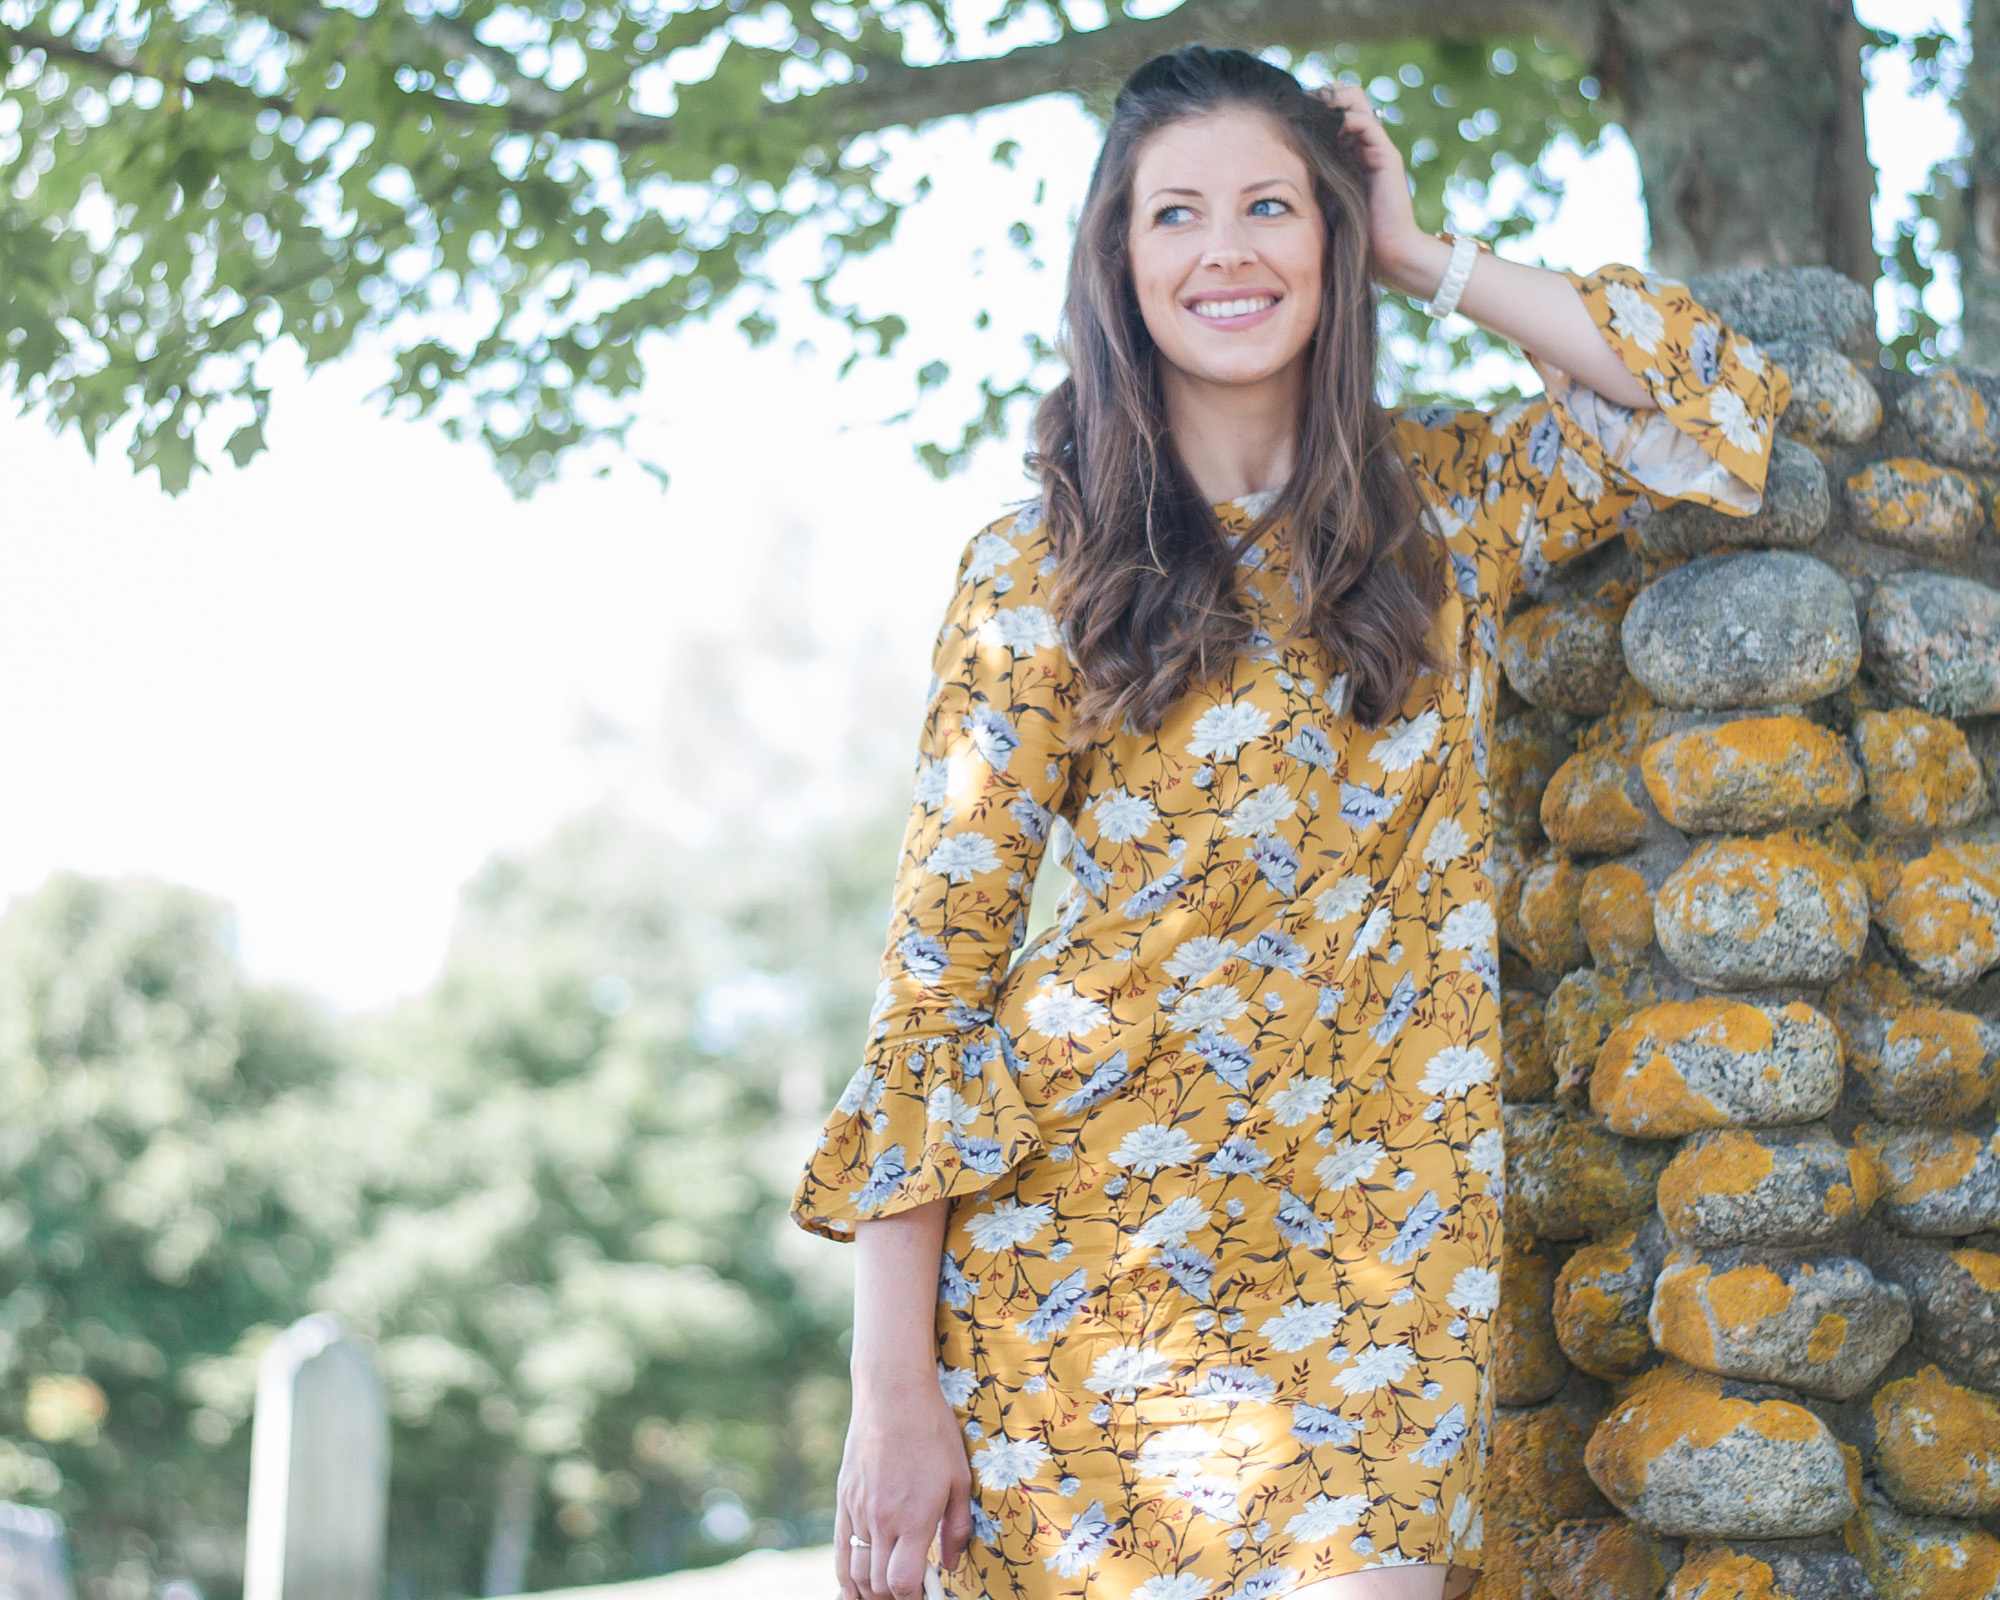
point(762, 1575)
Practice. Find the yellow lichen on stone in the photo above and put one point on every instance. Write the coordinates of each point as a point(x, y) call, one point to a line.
point(1828, 1335)
point(1693, 1304)
point(1586, 808)
point(1601, 1298)
point(1944, 918)
point(1908, 1558)
point(1937, 1446)
point(1742, 913)
point(1981, 1266)
point(1913, 505)
point(1528, 1363)
point(1921, 773)
point(1750, 774)
point(1719, 1573)
point(1638, 1089)
point(1914, 1166)
point(1527, 1066)
point(1536, 1475)
point(1616, 913)
point(1550, 930)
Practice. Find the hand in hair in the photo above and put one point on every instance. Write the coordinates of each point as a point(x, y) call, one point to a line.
point(1394, 239)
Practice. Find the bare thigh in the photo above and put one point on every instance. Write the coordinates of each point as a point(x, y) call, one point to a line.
point(1427, 1582)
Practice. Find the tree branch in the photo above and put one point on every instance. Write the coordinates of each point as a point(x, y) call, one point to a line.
point(903, 95)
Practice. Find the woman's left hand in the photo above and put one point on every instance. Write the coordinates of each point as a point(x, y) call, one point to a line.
point(1399, 246)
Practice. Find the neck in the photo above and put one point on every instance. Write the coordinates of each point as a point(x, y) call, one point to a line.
point(1234, 439)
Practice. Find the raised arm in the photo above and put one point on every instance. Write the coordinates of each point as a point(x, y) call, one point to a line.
point(1536, 309)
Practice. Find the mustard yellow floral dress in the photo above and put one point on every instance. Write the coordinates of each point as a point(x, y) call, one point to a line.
point(1223, 1146)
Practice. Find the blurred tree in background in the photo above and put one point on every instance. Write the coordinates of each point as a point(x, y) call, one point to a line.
point(551, 1189)
point(506, 198)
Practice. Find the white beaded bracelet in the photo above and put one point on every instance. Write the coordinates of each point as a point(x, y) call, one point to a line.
point(1464, 252)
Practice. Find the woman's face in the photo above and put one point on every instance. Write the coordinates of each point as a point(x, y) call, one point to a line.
point(1226, 243)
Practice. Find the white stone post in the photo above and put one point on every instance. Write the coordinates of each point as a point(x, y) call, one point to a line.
point(319, 1469)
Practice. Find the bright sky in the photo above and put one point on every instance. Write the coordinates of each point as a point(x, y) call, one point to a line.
point(328, 687)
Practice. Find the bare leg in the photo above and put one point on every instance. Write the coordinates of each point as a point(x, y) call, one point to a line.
point(1426, 1582)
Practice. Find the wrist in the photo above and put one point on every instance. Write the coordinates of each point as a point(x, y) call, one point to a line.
point(898, 1382)
point(1415, 264)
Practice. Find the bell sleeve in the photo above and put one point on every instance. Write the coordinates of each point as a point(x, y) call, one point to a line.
point(1590, 463)
point(934, 1109)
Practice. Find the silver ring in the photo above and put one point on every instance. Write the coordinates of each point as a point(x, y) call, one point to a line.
point(859, 1543)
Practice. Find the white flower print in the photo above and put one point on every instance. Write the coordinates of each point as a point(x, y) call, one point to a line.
point(1178, 1586)
point(1343, 899)
point(962, 857)
point(947, 1105)
point(1299, 1099)
point(1195, 959)
point(1748, 356)
point(1448, 840)
point(1175, 1222)
point(1455, 1069)
point(1262, 812)
point(1299, 1324)
point(1122, 1372)
point(1488, 1154)
point(1269, 1583)
point(1007, 1225)
point(1475, 1291)
point(957, 1384)
point(933, 782)
point(1146, 1150)
point(1322, 1517)
point(1176, 1449)
point(989, 553)
point(1407, 743)
point(1350, 1163)
point(1205, 1007)
point(1061, 1013)
point(1733, 418)
point(1469, 927)
point(1371, 931)
point(1585, 482)
point(1005, 1463)
point(1224, 730)
point(1378, 1365)
point(1123, 817)
point(1232, 1383)
point(1635, 317)
point(1020, 629)
point(1214, 1496)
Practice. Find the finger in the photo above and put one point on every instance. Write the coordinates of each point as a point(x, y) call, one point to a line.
point(882, 1545)
point(955, 1532)
point(844, 1553)
point(906, 1568)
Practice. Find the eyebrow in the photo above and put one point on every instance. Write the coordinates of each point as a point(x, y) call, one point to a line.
point(1261, 183)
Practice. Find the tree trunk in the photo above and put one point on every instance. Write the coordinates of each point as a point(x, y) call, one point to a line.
point(1746, 116)
point(1979, 241)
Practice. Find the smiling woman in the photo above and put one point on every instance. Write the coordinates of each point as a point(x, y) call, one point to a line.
point(1184, 1228)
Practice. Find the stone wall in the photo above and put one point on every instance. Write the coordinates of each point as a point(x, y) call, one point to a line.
point(1749, 871)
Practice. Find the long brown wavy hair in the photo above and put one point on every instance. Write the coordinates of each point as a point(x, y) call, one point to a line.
point(1146, 574)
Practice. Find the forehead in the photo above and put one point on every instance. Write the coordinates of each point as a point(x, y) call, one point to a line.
point(1220, 153)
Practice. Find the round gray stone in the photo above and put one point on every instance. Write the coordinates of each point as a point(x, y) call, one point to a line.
point(1832, 400)
point(1564, 656)
point(1934, 642)
point(1815, 304)
point(1955, 416)
point(1698, 1316)
point(1939, 1182)
point(1747, 913)
point(1957, 1298)
point(1764, 629)
point(1766, 1186)
point(1796, 505)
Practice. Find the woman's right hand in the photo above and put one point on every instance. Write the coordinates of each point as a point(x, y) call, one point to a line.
point(903, 1482)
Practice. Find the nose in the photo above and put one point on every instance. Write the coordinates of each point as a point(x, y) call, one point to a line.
point(1227, 246)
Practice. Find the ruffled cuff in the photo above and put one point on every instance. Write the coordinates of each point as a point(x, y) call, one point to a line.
point(920, 1121)
point(1719, 396)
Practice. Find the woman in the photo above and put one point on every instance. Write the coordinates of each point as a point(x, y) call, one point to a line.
point(1186, 1227)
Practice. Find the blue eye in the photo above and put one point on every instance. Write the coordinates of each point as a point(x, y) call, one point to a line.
point(1279, 208)
point(1171, 216)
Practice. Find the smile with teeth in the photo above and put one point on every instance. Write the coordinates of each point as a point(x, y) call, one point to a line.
point(1218, 309)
